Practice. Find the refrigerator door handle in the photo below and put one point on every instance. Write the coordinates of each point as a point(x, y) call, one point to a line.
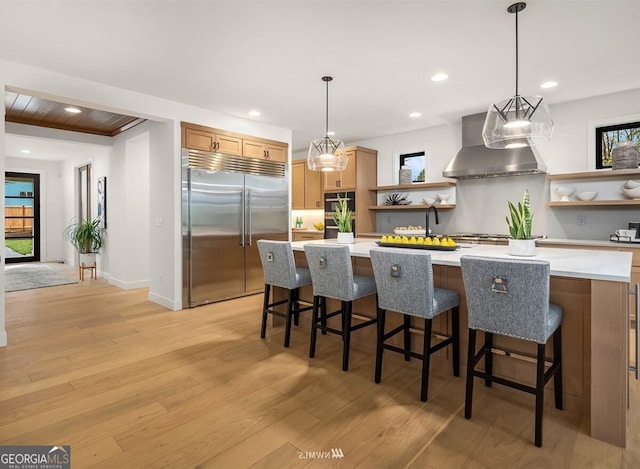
point(242, 228)
point(250, 218)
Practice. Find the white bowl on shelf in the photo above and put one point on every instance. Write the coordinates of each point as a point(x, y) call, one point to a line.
point(632, 193)
point(587, 195)
point(631, 184)
point(443, 198)
point(428, 201)
point(564, 193)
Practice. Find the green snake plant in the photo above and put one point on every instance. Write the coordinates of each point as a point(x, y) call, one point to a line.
point(521, 218)
point(342, 216)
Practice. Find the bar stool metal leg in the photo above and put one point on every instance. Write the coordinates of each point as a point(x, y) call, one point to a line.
point(557, 358)
point(314, 326)
point(346, 332)
point(539, 394)
point(488, 358)
point(468, 400)
point(265, 307)
point(455, 345)
point(407, 338)
point(426, 359)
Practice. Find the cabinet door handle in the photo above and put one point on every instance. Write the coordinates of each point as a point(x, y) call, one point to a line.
point(338, 183)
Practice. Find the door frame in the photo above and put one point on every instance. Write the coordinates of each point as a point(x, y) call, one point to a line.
point(37, 235)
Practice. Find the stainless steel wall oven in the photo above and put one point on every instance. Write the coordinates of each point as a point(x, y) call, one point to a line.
point(330, 204)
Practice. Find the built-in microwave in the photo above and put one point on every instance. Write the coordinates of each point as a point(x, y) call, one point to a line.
point(330, 204)
point(331, 201)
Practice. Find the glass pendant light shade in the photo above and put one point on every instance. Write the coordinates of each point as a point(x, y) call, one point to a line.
point(327, 154)
point(520, 121)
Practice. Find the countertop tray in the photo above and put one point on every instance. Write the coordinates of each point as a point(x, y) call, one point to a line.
point(417, 246)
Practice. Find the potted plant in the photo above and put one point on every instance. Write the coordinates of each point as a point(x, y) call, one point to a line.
point(88, 238)
point(343, 219)
point(519, 225)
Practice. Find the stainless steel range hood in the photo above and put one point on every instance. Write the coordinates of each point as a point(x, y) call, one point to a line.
point(474, 160)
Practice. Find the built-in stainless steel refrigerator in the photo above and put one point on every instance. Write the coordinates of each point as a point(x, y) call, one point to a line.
point(228, 204)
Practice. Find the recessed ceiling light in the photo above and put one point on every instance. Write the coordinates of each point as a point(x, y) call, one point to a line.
point(415, 114)
point(72, 110)
point(440, 76)
point(254, 113)
point(25, 151)
point(549, 84)
point(331, 133)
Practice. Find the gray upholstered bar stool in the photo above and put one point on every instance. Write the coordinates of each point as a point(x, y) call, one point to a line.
point(510, 297)
point(332, 277)
point(405, 285)
point(280, 270)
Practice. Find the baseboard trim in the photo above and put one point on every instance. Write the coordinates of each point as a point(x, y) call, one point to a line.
point(166, 302)
point(128, 285)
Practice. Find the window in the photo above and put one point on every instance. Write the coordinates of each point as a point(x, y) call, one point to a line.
point(415, 161)
point(608, 137)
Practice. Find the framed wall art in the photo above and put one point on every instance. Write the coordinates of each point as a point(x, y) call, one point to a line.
point(102, 201)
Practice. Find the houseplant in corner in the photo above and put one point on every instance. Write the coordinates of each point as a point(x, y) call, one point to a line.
point(88, 238)
point(342, 218)
point(519, 225)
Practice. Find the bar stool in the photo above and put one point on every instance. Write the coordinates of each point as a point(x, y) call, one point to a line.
point(280, 270)
point(332, 277)
point(405, 285)
point(510, 297)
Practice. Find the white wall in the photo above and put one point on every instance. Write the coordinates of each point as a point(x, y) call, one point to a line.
point(481, 203)
point(128, 209)
point(98, 157)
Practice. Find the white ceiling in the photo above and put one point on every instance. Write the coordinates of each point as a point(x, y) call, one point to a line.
point(236, 56)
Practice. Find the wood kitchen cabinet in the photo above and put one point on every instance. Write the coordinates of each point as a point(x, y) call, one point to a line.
point(347, 179)
point(208, 140)
point(198, 137)
point(264, 150)
point(359, 176)
point(306, 187)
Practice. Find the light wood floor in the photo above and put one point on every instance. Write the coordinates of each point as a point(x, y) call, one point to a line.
point(129, 384)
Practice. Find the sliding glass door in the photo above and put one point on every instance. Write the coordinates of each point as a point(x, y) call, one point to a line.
point(22, 217)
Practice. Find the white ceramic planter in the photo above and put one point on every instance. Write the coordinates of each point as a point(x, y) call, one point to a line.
point(522, 247)
point(87, 260)
point(345, 238)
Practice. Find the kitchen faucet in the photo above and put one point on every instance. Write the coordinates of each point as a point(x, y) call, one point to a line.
point(435, 211)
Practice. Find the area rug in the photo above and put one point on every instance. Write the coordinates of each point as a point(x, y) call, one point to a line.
point(25, 277)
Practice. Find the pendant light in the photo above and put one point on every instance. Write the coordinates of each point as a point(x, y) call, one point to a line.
point(520, 121)
point(326, 154)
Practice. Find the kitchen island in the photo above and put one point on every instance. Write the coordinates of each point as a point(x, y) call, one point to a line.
point(591, 286)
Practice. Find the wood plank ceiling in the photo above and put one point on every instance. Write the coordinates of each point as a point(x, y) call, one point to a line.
point(31, 110)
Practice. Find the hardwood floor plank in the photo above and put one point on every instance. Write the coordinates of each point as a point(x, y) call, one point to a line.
point(129, 384)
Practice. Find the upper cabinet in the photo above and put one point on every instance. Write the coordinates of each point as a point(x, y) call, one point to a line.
point(264, 150)
point(342, 180)
point(198, 137)
point(208, 140)
point(606, 184)
point(306, 187)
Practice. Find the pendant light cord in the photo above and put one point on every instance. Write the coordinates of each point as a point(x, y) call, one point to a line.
point(326, 125)
point(516, 52)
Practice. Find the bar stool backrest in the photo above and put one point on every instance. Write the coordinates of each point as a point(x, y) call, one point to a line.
point(331, 271)
point(278, 263)
point(404, 281)
point(508, 296)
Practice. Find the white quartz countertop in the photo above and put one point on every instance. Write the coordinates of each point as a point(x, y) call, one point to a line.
point(609, 265)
